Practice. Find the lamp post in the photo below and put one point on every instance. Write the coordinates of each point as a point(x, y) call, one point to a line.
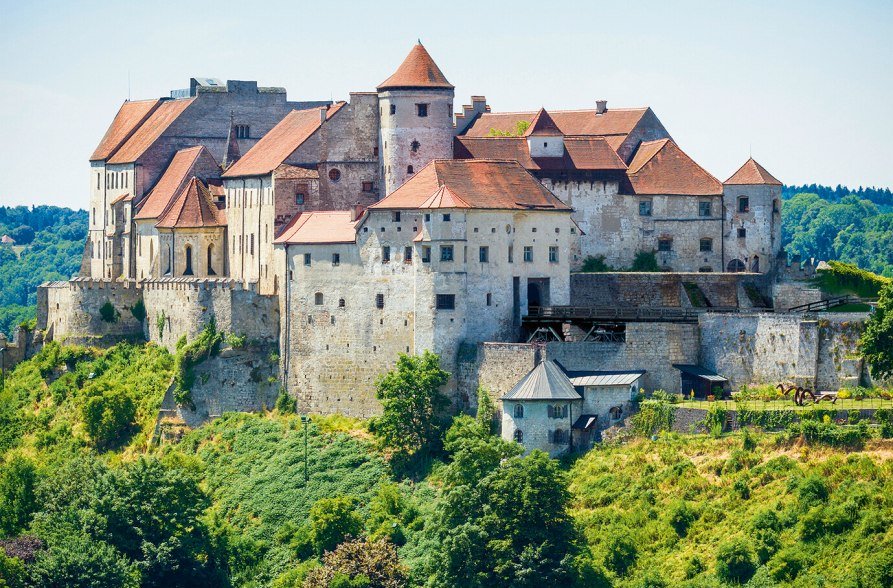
point(2, 368)
point(304, 420)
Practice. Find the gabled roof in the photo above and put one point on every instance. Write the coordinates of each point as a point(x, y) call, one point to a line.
point(282, 140)
point(542, 124)
point(193, 208)
point(418, 70)
point(661, 167)
point(752, 173)
point(546, 381)
point(143, 137)
point(130, 116)
point(580, 153)
point(172, 181)
point(293, 172)
point(472, 183)
point(123, 197)
point(616, 121)
point(319, 227)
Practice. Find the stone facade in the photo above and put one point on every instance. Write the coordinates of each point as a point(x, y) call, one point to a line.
point(752, 233)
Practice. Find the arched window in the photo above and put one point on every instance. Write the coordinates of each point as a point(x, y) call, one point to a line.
point(409, 169)
point(735, 266)
point(519, 436)
point(519, 411)
point(188, 269)
point(211, 271)
point(317, 298)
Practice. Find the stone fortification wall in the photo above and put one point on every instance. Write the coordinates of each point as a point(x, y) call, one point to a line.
point(838, 363)
point(70, 311)
point(186, 305)
point(494, 367)
point(659, 289)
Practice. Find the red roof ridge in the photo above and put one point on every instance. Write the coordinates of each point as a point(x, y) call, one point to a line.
point(418, 70)
point(642, 185)
point(752, 173)
point(193, 208)
point(122, 128)
point(155, 124)
point(180, 166)
point(542, 124)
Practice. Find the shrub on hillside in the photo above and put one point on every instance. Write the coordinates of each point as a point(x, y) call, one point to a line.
point(332, 520)
point(107, 416)
point(735, 562)
point(620, 551)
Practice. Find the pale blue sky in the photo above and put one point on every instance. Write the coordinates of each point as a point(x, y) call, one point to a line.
point(806, 86)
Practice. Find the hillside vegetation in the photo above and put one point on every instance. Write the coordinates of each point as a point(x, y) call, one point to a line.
point(49, 244)
point(86, 500)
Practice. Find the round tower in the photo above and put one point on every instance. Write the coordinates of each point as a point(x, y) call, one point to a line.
point(416, 109)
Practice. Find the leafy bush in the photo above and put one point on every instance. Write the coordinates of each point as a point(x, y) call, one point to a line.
point(138, 310)
point(735, 562)
point(107, 416)
point(285, 404)
point(18, 478)
point(160, 323)
point(595, 265)
point(681, 517)
point(787, 564)
point(645, 261)
point(715, 420)
point(236, 341)
point(843, 278)
point(826, 433)
point(207, 344)
point(332, 520)
point(653, 416)
point(620, 552)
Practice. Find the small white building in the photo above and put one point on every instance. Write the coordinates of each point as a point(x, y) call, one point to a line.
point(555, 410)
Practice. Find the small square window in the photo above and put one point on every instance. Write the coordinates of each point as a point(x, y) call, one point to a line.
point(553, 254)
point(644, 208)
point(706, 245)
point(446, 253)
point(427, 217)
point(367, 186)
point(704, 209)
point(426, 254)
point(743, 204)
point(528, 253)
point(299, 198)
point(446, 218)
point(379, 301)
point(742, 233)
point(422, 109)
point(393, 109)
point(664, 244)
point(385, 254)
point(484, 254)
point(395, 216)
point(446, 302)
point(306, 259)
point(410, 170)
point(336, 259)
point(407, 255)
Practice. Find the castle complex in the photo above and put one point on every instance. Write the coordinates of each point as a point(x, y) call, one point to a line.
point(346, 233)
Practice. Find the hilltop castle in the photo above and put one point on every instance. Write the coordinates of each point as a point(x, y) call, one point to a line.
point(348, 232)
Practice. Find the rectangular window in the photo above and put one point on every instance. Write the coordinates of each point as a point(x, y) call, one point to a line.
point(446, 302)
point(704, 209)
point(446, 218)
point(664, 244)
point(644, 208)
point(742, 233)
point(379, 301)
point(427, 217)
point(743, 204)
point(706, 245)
point(98, 178)
point(367, 186)
point(306, 259)
point(553, 254)
point(385, 254)
point(528, 253)
point(484, 254)
point(299, 198)
point(422, 109)
point(446, 253)
point(393, 109)
point(511, 254)
point(336, 259)
point(407, 255)
point(426, 254)
point(395, 216)
point(252, 243)
point(489, 299)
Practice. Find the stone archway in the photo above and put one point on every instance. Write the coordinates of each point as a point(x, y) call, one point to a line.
point(735, 266)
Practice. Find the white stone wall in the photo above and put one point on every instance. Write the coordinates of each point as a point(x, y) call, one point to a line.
point(762, 225)
point(200, 242)
point(536, 425)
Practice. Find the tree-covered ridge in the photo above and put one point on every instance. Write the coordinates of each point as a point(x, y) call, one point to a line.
point(851, 230)
point(49, 244)
point(883, 197)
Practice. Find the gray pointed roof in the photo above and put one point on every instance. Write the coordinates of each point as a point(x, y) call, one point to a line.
point(546, 381)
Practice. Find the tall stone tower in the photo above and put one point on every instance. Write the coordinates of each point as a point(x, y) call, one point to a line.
point(416, 118)
point(752, 227)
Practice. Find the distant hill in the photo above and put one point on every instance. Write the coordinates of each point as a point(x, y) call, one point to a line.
point(49, 244)
point(882, 197)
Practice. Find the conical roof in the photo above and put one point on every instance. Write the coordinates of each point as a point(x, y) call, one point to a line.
point(542, 124)
point(752, 173)
point(418, 70)
point(194, 208)
point(546, 381)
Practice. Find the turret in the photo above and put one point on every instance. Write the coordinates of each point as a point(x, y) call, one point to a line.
point(752, 227)
point(416, 118)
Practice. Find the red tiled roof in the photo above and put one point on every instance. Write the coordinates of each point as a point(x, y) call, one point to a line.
point(752, 173)
point(293, 172)
point(319, 227)
point(617, 121)
point(661, 167)
point(542, 124)
point(122, 197)
point(282, 140)
point(580, 153)
point(418, 70)
point(193, 208)
point(472, 183)
point(171, 183)
point(148, 132)
point(130, 116)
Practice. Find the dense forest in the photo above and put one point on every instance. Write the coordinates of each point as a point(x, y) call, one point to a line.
point(49, 243)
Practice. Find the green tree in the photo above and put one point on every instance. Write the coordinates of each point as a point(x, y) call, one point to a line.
point(877, 338)
point(332, 520)
point(360, 562)
point(411, 402)
point(735, 562)
point(79, 561)
point(486, 409)
point(108, 415)
point(17, 481)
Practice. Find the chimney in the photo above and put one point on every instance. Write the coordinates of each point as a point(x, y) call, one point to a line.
point(358, 210)
point(601, 106)
point(322, 114)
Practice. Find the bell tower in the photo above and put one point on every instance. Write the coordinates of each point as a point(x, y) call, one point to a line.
point(416, 118)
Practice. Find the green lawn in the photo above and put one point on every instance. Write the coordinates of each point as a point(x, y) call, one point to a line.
point(841, 404)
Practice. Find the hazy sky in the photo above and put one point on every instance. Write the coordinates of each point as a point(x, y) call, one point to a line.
point(806, 86)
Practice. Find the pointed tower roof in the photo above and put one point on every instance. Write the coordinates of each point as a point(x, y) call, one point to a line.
point(193, 209)
point(752, 173)
point(546, 381)
point(418, 70)
point(232, 154)
point(542, 124)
